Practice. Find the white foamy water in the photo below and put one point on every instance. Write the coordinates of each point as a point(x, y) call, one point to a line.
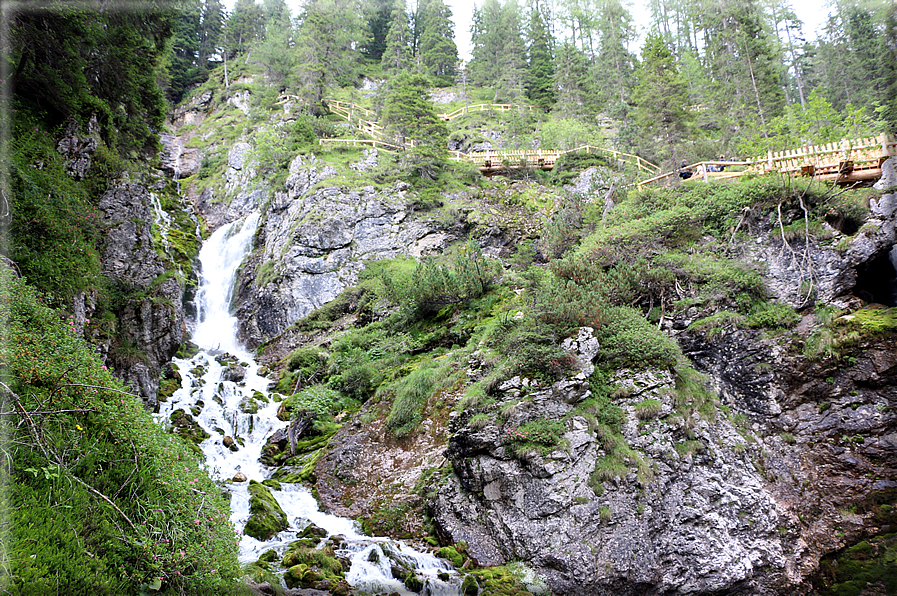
point(216, 401)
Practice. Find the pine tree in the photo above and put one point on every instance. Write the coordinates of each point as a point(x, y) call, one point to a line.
point(614, 62)
point(437, 52)
point(486, 44)
point(575, 88)
point(661, 103)
point(211, 31)
point(184, 63)
point(397, 56)
point(540, 86)
point(329, 32)
point(378, 16)
point(275, 53)
point(409, 114)
point(245, 26)
point(512, 59)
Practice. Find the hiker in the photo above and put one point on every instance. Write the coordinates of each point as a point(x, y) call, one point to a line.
point(684, 172)
point(722, 168)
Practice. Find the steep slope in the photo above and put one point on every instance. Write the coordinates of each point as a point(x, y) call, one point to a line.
point(673, 391)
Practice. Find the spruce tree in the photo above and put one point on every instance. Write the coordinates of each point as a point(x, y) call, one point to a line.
point(211, 31)
point(397, 55)
point(437, 52)
point(540, 86)
point(486, 44)
point(512, 56)
point(329, 33)
point(184, 63)
point(661, 103)
point(409, 114)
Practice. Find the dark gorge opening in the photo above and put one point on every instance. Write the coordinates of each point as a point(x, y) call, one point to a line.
point(877, 280)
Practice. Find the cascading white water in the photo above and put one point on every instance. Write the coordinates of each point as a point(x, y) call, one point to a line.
point(216, 402)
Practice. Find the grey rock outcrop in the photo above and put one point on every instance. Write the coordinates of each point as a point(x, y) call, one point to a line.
point(314, 241)
point(152, 318)
point(678, 526)
point(799, 272)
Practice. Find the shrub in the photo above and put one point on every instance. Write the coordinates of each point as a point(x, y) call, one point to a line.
point(648, 409)
point(542, 435)
point(436, 284)
point(772, 315)
point(412, 394)
point(627, 339)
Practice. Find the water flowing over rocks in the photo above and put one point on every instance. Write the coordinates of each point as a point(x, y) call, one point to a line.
point(314, 241)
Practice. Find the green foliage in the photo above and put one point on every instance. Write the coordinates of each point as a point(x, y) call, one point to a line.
point(835, 335)
point(56, 228)
point(78, 64)
point(411, 395)
point(627, 339)
point(436, 283)
point(319, 399)
point(648, 409)
point(541, 435)
point(169, 525)
point(772, 315)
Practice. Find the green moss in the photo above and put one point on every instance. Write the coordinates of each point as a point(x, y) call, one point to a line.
point(308, 567)
point(266, 516)
point(451, 554)
point(866, 565)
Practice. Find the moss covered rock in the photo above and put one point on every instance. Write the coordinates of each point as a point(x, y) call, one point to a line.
point(267, 518)
point(184, 425)
point(311, 567)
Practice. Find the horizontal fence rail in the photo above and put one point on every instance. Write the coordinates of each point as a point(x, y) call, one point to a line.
point(485, 107)
point(848, 160)
point(488, 161)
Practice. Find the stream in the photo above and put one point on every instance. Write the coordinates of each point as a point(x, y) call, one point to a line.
point(216, 385)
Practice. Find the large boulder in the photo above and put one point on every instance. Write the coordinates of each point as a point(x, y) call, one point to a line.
point(266, 518)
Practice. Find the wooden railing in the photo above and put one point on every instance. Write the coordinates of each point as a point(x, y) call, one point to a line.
point(383, 146)
point(846, 161)
point(495, 161)
point(488, 161)
point(485, 107)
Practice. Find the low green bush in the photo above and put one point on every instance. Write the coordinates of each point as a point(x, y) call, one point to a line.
point(627, 339)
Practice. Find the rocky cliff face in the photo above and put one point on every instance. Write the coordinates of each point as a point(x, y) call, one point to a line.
point(314, 240)
point(151, 317)
point(746, 502)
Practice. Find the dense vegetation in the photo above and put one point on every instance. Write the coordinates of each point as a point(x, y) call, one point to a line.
point(99, 499)
point(674, 101)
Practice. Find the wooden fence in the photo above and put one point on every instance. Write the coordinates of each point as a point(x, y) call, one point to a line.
point(849, 160)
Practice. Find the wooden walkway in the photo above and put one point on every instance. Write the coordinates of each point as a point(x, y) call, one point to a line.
point(851, 160)
point(488, 162)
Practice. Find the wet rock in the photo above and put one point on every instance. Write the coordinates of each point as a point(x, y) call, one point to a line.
point(266, 516)
point(235, 373)
point(314, 241)
point(152, 326)
point(239, 477)
point(229, 443)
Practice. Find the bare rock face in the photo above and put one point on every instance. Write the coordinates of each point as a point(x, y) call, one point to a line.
point(313, 243)
point(152, 319)
point(679, 526)
point(798, 272)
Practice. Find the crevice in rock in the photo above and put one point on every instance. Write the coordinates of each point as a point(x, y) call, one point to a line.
point(877, 279)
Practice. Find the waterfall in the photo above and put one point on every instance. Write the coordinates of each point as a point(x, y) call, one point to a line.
point(208, 392)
